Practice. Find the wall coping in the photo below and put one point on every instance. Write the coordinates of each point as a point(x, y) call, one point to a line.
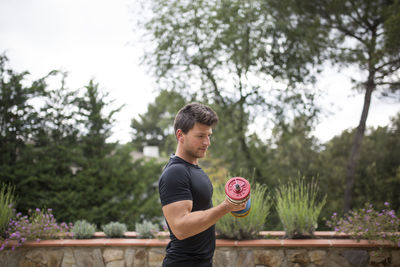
point(128, 242)
point(271, 239)
point(263, 234)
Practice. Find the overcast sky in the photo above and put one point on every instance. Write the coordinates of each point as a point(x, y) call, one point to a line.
point(96, 39)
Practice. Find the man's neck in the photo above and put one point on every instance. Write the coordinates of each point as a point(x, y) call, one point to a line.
point(186, 157)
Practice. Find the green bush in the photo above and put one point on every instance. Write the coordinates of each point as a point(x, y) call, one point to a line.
point(6, 207)
point(147, 229)
point(297, 207)
point(247, 227)
point(83, 229)
point(114, 229)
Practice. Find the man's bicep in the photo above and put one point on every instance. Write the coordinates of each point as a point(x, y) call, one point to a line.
point(174, 212)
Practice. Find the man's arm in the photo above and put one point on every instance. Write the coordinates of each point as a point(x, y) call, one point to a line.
point(184, 223)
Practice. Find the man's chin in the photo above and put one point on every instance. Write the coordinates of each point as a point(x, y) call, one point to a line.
point(202, 154)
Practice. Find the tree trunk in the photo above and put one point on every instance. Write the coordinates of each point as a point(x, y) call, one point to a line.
point(356, 147)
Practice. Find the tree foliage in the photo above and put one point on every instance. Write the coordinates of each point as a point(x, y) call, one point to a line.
point(154, 128)
point(224, 53)
point(362, 34)
point(377, 174)
point(54, 151)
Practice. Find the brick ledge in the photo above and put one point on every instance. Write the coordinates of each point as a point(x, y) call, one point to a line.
point(288, 243)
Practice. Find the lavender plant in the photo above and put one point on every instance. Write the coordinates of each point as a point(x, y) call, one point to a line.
point(147, 229)
point(83, 229)
point(114, 229)
point(298, 208)
point(37, 225)
point(367, 223)
point(6, 210)
point(247, 227)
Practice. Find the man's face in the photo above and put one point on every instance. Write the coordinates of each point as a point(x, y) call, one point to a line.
point(197, 140)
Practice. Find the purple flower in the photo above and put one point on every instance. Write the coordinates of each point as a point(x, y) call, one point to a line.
point(391, 213)
point(386, 204)
point(37, 210)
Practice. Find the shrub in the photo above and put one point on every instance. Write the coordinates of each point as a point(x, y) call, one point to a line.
point(247, 227)
point(37, 225)
point(83, 229)
point(6, 210)
point(369, 224)
point(114, 229)
point(147, 229)
point(297, 207)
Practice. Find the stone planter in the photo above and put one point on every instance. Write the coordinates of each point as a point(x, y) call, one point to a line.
point(270, 252)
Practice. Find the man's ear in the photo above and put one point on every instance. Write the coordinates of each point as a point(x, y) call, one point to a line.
point(179, 135)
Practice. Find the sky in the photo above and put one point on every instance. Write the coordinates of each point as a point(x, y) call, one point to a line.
point(99, 39)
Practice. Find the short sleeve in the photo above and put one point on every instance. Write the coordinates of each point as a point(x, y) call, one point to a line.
point(174, 185)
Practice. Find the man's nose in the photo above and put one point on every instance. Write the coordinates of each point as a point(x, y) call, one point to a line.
point(207, 141)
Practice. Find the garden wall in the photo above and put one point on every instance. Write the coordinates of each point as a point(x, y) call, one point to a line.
point(103, 252)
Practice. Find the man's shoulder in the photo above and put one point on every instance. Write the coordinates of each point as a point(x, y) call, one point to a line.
point(175, 168)
point(175, 165)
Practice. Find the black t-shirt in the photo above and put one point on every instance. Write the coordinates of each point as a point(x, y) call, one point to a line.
point(182, 180)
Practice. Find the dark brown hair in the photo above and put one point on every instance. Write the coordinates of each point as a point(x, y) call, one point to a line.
point(192, 113)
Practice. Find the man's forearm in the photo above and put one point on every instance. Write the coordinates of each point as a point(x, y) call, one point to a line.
point(195, 222)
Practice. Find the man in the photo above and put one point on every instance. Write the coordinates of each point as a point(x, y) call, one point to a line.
point(186, 191)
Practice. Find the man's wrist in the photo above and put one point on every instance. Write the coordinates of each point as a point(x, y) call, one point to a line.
point(226, 206)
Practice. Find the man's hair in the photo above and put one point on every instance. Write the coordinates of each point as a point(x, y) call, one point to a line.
point(192, 113)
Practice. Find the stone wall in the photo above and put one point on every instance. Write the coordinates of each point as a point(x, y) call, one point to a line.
point(124, 256)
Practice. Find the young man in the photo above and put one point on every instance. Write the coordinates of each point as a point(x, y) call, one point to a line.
point(186, 191)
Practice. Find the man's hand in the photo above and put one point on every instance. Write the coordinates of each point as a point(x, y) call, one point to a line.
point(234, 207)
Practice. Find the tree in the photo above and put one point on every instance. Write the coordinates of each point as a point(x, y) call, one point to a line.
point(155, 127)
point(377, 174)
point(54, 150)
point(18, 118)
point(97, 180)
point(22, 126)
point(224, 52)
point(362, 34)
